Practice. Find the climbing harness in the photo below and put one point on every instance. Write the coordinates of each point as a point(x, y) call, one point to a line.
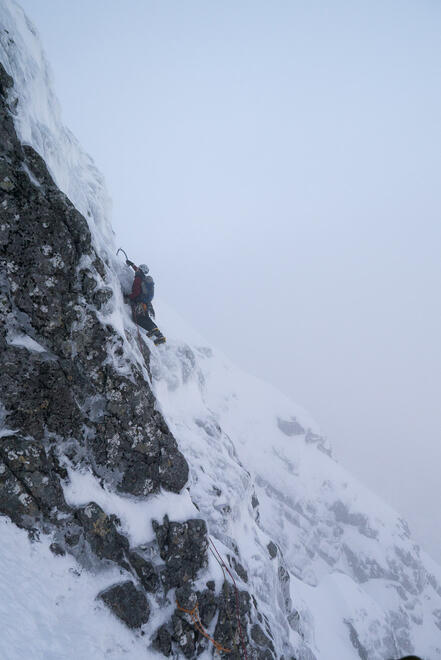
point(194, 613)
point(223, 565)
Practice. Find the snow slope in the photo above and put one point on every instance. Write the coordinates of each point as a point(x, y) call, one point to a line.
point(48, 609)
point(351, 558)
point(334, 569)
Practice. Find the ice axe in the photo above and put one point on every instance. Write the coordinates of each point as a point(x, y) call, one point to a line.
point(128, 262)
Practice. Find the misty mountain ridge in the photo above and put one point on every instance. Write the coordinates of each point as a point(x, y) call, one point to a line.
point(125, 469)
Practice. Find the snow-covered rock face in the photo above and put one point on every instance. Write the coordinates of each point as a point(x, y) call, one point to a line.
point(76, 398)
point(324, 556)
point(37, 121)
point(94, 429)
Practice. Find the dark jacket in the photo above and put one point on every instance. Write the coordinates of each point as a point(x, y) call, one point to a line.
point(143, 288)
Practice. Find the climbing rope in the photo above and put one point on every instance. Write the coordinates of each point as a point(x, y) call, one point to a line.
point(227, 607)
point(194, 613)
point(135, 318)
point(222, 563)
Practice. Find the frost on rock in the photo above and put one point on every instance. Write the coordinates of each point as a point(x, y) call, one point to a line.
point(139, 467)
point(75, 390)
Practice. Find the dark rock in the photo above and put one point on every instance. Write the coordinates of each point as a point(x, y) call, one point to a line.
point(67, 395)
point(101, 297)
point(145, 571)
point(57, 549)
point(192, 610)
point(27, 460)
point(128, 603)
point(263, 654)
point(258, 636)
point(290, 427)
point(72, 538)
point(207, 606)
point(186, 597)
point(211, 585)
point(183, 547)
point(16, 501)
point(5, 81)
point(227, 628)
point(239, 569)
point(72, 389)
point(272, 549)
point(162, 641)
point(100, 532)
point(173, 468)
point(184, 635)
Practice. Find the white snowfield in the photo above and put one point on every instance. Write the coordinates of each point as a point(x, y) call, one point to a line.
point(333, 568)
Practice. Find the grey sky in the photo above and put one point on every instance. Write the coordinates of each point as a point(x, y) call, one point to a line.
point(277, 164)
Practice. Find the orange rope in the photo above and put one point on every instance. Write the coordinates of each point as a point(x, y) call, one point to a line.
point(227, 609)
point(222, 563)
point(194, 613)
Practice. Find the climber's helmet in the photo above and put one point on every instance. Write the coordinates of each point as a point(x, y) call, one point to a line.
point(144, 268)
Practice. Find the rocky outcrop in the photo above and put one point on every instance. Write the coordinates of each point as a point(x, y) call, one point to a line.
point(128, 603)
point(58, 381)
point(71, 396)
point(183, 547)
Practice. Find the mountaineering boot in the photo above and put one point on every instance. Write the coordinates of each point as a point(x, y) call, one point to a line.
point(160, 339)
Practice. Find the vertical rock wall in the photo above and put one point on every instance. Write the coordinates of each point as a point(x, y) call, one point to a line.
point(71, 394)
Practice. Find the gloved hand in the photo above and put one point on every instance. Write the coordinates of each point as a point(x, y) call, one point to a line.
point(126, 297)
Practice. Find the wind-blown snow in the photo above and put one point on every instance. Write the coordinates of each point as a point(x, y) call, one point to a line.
point(331, 565)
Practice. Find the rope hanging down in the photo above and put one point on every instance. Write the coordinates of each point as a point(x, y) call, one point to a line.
point(194, 613)
point(223, 565)
point(135, 318)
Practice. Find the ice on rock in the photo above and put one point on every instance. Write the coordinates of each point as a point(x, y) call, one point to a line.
point(334, 571)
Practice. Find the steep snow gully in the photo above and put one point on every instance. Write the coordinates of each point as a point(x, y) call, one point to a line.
point(121, 464)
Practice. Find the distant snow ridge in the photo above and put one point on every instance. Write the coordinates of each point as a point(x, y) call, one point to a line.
point(333, 570)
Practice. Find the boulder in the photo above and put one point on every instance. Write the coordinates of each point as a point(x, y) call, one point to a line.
point(128, 603)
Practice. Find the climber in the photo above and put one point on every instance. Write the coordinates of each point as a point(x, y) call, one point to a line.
point(141, 301)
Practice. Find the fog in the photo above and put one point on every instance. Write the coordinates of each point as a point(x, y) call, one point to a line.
point(277, 165)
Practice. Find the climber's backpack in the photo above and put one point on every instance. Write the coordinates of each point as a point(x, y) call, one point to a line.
point(147, 288)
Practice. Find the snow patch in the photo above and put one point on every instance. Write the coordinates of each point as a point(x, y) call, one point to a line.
point(135, 515)
point(48, 606)
point(24, 341)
